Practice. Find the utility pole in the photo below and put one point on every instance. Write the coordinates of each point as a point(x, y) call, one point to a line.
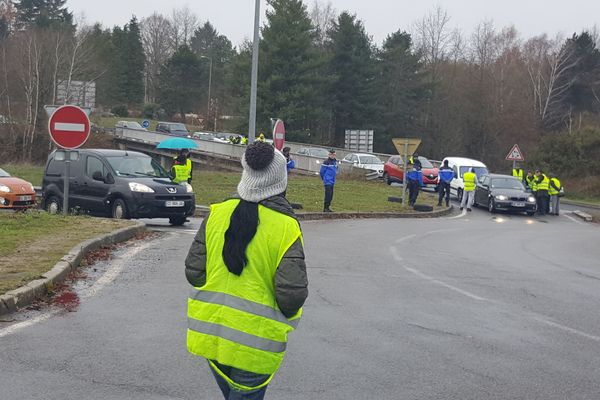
point(254, 80)
point(209, 85)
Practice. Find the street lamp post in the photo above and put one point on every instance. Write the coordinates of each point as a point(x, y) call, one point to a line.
point(254, 80)
point(209, 84)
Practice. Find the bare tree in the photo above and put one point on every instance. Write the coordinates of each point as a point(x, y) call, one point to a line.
point(183, 24)
point(156, 39)
point(433, 38)
point(322, 16)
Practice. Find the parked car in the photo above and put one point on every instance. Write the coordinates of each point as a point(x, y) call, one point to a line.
point(173, 128)
point(118, 184)
point(393, 171)
point(365, 161)
point(15, 193)
point(504, 192)
point(130, 125)
point(318, 152)
point(461, 165)
point(203, 136)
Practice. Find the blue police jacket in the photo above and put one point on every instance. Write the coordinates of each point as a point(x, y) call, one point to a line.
point(291, 164)
point(328, 172)
point(446, 175)
point(415, 176)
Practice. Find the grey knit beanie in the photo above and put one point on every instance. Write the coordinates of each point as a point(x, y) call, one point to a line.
point(265, 173)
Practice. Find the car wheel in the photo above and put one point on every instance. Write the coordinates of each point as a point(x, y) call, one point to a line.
point(386, 178)
point(53, 205)
point(119, 209)
point(491, 207)
point(459, 194)
point(177, 221)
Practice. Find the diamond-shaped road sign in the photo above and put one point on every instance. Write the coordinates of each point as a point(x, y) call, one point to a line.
point(515, 154)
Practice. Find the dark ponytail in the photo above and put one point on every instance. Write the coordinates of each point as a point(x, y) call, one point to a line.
point(242, 228)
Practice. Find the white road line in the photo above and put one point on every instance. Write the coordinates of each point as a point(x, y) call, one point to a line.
point(462, 214)
point(568, 329)
point(405, 238)
point(572, 219)
point(69, 127)
point(109, 276)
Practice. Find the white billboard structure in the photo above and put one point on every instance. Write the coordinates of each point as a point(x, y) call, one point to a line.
point(359, 140)
point(77, 93)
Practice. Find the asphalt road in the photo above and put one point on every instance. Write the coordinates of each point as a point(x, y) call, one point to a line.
point(472, 306)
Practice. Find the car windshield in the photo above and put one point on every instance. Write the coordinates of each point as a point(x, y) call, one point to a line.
point(134, 125)
point(507, 183)
point(318, 153)
point(479, 171)
point(137, 166)
point(425, 163)
point(370, 160)
point(178, 128)
point(3, 173)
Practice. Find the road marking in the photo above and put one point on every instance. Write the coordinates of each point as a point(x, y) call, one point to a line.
point(405, 238)
point(68, 127)
point(572, 219)
point(108, 277)
point(568, 329)
point(462, 214)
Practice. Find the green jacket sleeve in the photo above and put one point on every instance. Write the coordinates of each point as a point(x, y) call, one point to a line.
point(291, 281)
point(195, 262)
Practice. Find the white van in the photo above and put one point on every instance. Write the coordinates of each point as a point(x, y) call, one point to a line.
point(461, 165)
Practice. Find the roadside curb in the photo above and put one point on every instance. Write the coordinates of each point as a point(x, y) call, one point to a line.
point(201, 211)
point(580, 204)
point(13, 300)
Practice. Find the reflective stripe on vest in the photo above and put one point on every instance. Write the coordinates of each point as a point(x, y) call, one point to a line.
point(230, 319)
point(469, 179)
point(181, 173)
point(551, 190)
point(544, 184)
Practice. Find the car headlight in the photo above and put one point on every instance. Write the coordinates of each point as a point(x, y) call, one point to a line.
point(501, 197)
point(140, 188)
point(531, 199)
point(188, 187)
point(5, 189)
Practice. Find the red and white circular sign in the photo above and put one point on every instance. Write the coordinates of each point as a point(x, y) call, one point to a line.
point(69, 127)
point(279, 134)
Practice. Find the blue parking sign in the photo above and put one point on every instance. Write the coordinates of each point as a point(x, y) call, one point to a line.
point(145, 123)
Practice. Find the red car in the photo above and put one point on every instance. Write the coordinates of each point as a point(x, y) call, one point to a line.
point(393, 171)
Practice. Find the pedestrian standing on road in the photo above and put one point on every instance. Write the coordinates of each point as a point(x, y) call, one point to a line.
point(517, 172)
point(247, 267)
point(179, 170)
point(188, 163)
point(445, 176)
point(554, 190)
point(542, 184)
point(415, 182)
point(414, 160)
point(291, 164)
point(468, 196)
point(328, 174)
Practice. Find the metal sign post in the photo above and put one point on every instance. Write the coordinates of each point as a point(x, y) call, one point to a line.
point(404, 147)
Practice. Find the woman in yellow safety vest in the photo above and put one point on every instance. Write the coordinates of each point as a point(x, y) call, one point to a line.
point(247, 268)
point(179, 170)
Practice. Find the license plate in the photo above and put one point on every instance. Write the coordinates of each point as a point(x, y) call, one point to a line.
point(518, 204)
point(175, 203)
point(24, 198)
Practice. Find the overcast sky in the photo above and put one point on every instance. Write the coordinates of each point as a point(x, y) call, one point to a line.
point(234, 18)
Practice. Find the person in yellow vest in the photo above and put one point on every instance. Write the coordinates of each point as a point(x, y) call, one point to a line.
point(248, 273)
point(244, 140)
point(542, 184)
point(179, 171)
point(554, 190)
point(261, 137)
point(188, 163)
point(530, 181)
point(469, 179)
point(517, 172)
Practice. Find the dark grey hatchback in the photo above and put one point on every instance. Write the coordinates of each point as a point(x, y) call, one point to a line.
point(504, 192)
point(116, 183)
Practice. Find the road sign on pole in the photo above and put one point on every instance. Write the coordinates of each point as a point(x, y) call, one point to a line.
point(515, 154)
point(145, 124)
point(279, 134)
point(69, 127)
point(405, 147)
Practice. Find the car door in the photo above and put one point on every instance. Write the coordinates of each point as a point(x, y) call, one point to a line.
point(94, 192)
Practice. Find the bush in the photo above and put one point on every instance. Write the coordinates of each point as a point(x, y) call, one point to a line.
point(120, 111)
point(151, 111)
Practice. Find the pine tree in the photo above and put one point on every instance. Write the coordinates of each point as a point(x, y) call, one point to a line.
point(352, 63)
point(134, 60)
point(44, 13)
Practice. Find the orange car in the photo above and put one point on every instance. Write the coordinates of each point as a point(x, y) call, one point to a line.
point(15, 193)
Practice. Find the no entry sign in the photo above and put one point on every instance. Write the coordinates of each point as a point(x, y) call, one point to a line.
point(279, 134)
point(69, 127)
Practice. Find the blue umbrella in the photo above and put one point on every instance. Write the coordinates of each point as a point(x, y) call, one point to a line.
point(177, 143)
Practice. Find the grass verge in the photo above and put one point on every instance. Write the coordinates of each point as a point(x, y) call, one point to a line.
point(351, 195)
point(31, 173)
point(31, 243)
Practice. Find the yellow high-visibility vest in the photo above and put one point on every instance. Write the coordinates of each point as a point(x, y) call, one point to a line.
point(518, 173)
point(544, 184)
point(235, 320)
point(181, 173)
point(551, 190)
point(469, 179)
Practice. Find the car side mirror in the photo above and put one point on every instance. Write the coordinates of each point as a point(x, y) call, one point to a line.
point(97, 176)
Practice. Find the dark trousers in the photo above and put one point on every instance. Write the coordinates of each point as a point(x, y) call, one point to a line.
point(413, 192)
point(444, 191)
point(243, 378)
point(543, 201)
point(328, 196)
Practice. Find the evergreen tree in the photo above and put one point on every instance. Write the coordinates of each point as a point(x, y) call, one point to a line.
point(585, 77)
point(352, 63)
point(181, 82)
point(291, 73)
point(400, 90)
point(134, 60)
point(44, 13)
